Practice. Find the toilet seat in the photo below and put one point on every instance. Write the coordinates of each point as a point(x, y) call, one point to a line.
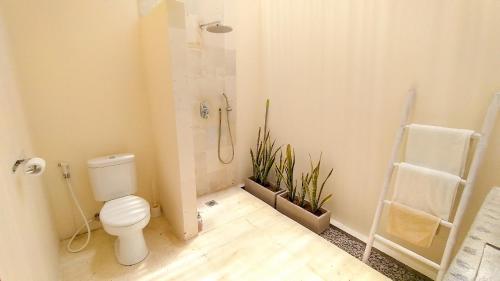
point(124, 211)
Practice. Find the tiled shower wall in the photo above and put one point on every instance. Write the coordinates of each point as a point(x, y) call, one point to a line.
point(201, 73)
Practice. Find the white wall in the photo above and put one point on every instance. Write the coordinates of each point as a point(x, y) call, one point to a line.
point(175, 160)
point(28, 241)
point(337, 73)
point(81, 78)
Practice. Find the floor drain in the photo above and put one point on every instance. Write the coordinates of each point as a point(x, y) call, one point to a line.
point(211, 203)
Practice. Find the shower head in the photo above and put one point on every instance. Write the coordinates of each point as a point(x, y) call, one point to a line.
point(219, 28)
point(216, 27)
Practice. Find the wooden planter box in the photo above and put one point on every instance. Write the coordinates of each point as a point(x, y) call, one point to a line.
point(315, 223)
point(262, 192)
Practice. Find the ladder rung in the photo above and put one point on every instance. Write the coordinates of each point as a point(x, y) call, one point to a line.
point(407, 252)
point(441, 222)
point(474, 135)
point(462, 181)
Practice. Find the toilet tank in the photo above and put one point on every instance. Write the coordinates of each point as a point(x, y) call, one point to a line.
point(112, 176)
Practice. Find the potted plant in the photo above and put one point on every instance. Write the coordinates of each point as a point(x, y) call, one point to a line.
point(292, 203)
point(263, 159)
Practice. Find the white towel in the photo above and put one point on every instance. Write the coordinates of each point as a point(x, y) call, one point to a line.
point(193, 31)
point(425, 189)
point(439, 148)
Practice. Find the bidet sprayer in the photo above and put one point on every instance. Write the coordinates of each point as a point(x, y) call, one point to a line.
point(65, 169)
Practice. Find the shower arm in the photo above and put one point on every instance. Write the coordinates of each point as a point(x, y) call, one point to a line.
point(209, 24)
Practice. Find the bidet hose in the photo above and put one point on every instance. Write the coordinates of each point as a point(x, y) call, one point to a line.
point(86, 222)
point(230, 136)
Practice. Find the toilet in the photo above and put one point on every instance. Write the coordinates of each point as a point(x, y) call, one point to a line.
point(113, 180)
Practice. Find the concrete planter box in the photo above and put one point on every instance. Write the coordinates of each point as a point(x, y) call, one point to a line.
point(315, 223)
point(262, 192)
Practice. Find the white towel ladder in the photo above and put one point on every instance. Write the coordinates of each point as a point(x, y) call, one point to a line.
point(477, 158)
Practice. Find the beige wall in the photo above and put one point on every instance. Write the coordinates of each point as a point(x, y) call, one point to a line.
point(80, 76)
point(251, 99)
point(337, 73)
point(174, 166)
point(28, 240)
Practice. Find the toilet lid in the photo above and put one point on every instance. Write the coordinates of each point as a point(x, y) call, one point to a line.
point(124, 211)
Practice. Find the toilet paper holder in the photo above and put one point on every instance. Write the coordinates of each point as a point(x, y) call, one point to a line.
point(34, 169)
point(17, 164)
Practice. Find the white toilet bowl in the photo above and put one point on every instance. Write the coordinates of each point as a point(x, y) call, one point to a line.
point(126, 217)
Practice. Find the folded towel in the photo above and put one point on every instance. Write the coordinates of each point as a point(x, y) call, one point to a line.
point(425, 189)
point(410, 225)
point(438, 148)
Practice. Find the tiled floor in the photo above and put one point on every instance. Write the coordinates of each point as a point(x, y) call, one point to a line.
point(243, 239)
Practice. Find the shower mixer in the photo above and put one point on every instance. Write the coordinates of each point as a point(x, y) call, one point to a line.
point(204, 110)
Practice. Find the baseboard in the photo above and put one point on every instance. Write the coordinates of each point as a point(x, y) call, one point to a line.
point(418, 266)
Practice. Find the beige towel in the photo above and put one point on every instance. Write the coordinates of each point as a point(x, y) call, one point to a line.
point(425, 189)
point(439, 148)
point(410, 225)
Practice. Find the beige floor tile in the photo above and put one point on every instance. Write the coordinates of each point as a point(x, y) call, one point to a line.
point(243, 239)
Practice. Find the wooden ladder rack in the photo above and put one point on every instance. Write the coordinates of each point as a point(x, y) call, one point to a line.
point(468, 184)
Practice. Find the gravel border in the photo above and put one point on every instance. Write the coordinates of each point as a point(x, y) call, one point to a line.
point(379, 261)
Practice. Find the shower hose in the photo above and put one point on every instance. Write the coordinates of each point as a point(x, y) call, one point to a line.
point(230, 137)
point(86, 224)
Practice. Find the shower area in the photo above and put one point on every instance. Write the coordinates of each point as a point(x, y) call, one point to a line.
point(202, 50)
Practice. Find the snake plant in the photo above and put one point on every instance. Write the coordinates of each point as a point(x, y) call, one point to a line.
point(286, 173)
point(264, 155)
point(305, 181)
point(277, 168)
point(313, 195)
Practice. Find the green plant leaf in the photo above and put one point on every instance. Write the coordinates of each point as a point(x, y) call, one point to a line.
point(323, 184)
point(324, 201)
